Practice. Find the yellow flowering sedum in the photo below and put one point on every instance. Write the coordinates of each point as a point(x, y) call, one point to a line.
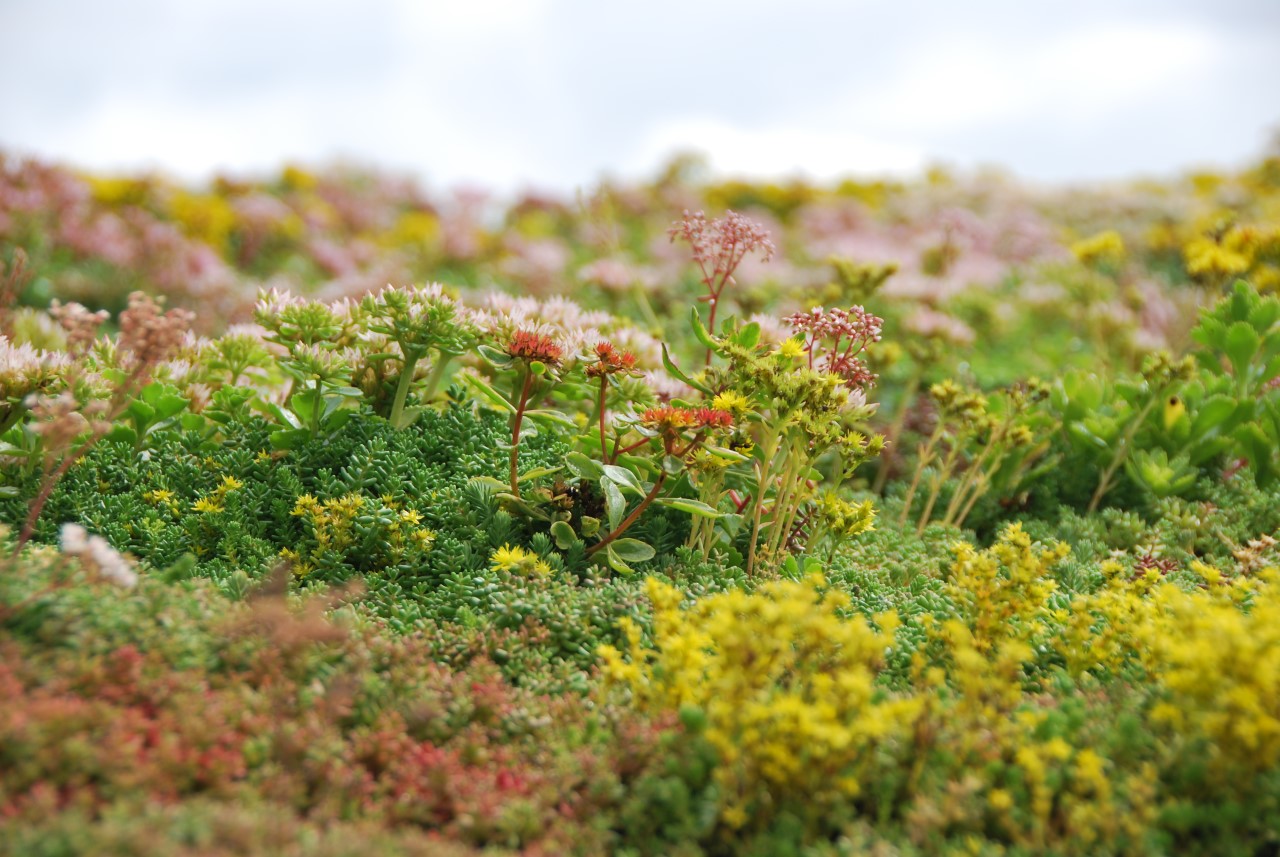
point(519, 561)
point(1103, 248)
point(786, 684)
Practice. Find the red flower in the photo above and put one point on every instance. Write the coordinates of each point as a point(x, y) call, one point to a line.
point(526, 345)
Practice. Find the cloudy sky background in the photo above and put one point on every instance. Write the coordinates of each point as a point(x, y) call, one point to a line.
point(556, 93)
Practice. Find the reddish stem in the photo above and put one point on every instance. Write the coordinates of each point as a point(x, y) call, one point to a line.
point(631, 519)
point(515, 431)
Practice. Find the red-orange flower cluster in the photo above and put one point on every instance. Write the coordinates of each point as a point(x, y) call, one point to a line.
point(669, 418)
point(526, 345)
point(611, 361)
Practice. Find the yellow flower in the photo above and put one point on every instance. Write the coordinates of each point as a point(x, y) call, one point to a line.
point(305, 505)
point(1105, 247)
point(206, 505)
point(518, 560)
point(791, 348)
point(158, 496)
point(733, 402)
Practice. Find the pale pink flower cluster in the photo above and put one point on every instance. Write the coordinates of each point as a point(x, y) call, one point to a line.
point(96, 555)
point(841, 335)
point(932, 324)
point(720, 245)
point(79, 324)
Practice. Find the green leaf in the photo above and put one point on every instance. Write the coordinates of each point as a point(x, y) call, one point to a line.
point(614, 504)
point(498, 358)
point(693, 507)
point(490, 482)
point(1212, 413)
point(589, 526)
point(564, 535)
point(492, 396)
point(748, 336)
point(632, 550)
point(306, 404)
point(289, 438)
point(1240, 346)
point(583, 466)
point(141, 412)
point(727, 454)
point(1085, 438)
point(283, 416)
point(615, 561)
point(624, 477)
point(545, 415)
point(679, 375)
point(169, 405)
point(122, 433)
point(538, 472)
point(193, 422)
point(699, 331)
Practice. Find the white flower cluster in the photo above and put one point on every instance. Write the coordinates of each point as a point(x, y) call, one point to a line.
point(96, 555)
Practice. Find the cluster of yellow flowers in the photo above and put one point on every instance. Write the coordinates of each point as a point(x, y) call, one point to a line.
point(1252, 252)
point(1105, 248)
point(337, 526)
point(787, 687)
point(213, 502)
point(517, 560)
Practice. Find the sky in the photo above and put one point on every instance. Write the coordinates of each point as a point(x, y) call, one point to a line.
point(555, 94)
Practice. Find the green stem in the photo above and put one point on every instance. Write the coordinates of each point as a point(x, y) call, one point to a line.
point(782, 504)
point(1104, 484)
point(967, 480)
point(765, 473)
point(646, 309)
point(402, 387)
point(922, 461)
point(935, 487)
point(895, 431)
point(438, 370)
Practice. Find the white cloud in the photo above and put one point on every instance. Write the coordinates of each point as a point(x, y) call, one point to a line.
point(556, 92)
point(976, 79)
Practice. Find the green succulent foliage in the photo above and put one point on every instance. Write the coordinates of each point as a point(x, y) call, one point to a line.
point(146, 501)
point(156, 409)
point(1243, 330)
point(1155, 471)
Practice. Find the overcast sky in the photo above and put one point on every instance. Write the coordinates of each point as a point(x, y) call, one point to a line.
point(556, 93)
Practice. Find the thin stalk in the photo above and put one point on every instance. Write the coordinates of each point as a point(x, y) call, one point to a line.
point(967, 480)
point(895, 431)
point(925, 456)
point(782, 505)
point(764, 475)
point(978, 491)
point(635, 513)
point(1104, 484)
point(935, 488)
point(516, 421)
